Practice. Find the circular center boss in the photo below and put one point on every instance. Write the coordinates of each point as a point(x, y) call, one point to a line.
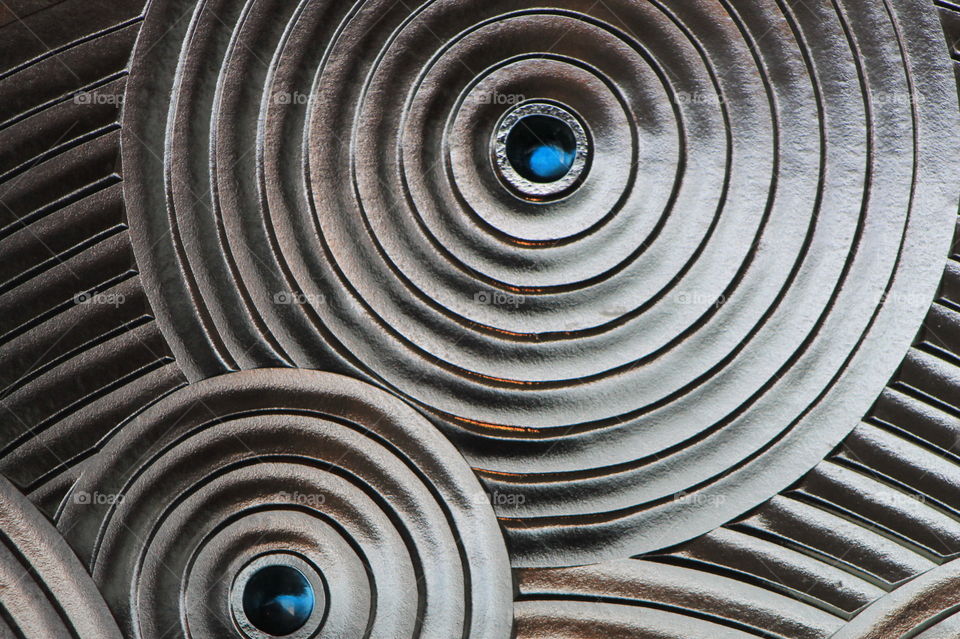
point(541, 150)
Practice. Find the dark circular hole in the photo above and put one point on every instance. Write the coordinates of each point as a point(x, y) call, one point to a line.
point(278, 600)
point(541, 148)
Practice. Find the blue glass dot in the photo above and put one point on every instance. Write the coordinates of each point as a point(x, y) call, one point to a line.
point(278, 600)
point(550, 162)
point(541, 148)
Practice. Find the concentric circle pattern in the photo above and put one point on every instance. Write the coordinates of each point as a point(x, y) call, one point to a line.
point(44, 590)
point(341, 480)
point(683, 336)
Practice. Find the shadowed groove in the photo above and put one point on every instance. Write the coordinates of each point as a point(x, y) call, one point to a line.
point(63, 237)
point(679, 367)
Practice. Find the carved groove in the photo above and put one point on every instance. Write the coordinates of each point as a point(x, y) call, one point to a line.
point(315, 464)
point(684, 324)
point(71, 305)
point(681, 401)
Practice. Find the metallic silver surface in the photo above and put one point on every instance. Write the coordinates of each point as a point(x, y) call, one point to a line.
point(265, 296)
point(537, 191)
point(292, 461)
point(750, 259)
point(46, 592)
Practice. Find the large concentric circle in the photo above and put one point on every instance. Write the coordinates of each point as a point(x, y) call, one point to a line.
point(298, 470)
point(680, 336)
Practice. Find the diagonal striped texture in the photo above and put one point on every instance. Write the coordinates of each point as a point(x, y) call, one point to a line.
point(79, 346)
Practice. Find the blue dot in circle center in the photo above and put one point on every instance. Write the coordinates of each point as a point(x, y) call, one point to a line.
point(278, 600)
point(550, 162)
point(541, 148)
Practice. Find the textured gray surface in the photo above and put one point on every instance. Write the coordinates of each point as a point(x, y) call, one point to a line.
point(715, 391)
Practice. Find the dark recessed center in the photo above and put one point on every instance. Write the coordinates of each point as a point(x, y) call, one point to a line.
point(278, 600)
point(541, 148)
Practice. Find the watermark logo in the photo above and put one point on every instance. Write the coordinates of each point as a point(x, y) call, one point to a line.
point(302, 499)
point(95, 498)
point(904, 301)
point(286, 97)
point(95, 97)
point(694, 298)
point(697, 97)
point(901, 501)
point(896, 98)
point(495, 97)
point(290, 297)
point(96, 299)
point(498, 298)
point(499, 499)
point(699, 500)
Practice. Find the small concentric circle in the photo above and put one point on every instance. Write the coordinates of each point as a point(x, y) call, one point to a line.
point(278, 595)
point(229, 494)
point(541, 150)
